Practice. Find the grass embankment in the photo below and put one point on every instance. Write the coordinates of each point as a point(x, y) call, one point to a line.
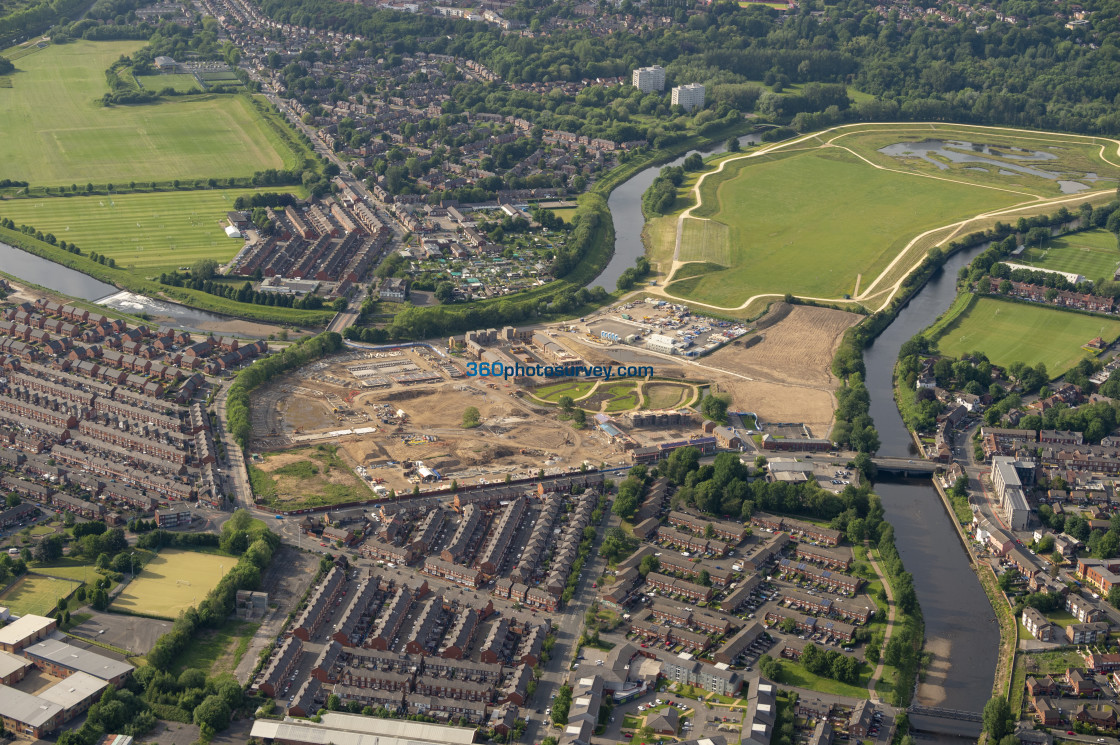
point(133, 282)
point(850, 219)
point(1009, 332)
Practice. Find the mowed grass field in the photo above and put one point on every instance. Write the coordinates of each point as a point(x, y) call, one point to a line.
point(172, 582)
point(705, 240)
point(1016, 332)
point(36, 594)
point(53, 131)
point(1092, 254)
point(179, 83)
point(154, 232)
point(810, 221)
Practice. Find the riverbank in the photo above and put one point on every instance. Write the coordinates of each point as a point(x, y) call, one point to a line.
point(125, 280)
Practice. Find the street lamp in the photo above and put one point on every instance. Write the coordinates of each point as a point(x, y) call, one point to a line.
point(132, 563)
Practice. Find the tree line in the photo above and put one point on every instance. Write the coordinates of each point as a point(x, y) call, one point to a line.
point(238, 404)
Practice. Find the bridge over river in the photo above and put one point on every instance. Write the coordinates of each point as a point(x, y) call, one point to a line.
point(953, 722)
point(906, 466)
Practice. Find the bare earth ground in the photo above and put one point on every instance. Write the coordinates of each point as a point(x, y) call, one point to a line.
point(798, 349)
point(791, 379)
point(784, 378)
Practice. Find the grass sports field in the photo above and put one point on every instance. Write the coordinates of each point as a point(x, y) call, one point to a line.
point(153, 232)
point(825, 216)
point(172, 582)
point(179, 83)
point(53, 131)
point(1016, 332)
point(35, 594)
point(842, 218)
point(1092, 254)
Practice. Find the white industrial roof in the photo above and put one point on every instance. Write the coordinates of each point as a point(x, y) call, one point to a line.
point(77, 658)
point(310, 733)
point(73, 690)
point(441, 733)
point(25, 626)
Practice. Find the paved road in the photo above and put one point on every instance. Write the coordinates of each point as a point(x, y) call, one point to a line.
point(569, 626)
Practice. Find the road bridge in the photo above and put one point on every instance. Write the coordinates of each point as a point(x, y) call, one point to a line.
point(952, 722)
point(906, 466)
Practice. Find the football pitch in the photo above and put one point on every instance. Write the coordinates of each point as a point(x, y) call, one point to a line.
point(153, 233)
point(54, 131)
point(36, 594)
point(1092, 254)
point(172, 582)
point(1017, 332)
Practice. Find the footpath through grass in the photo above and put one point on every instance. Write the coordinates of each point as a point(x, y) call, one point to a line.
point(56, 132)
point(843, 218)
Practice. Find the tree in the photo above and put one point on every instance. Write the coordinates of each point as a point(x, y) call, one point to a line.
point(705, 578)
point(579, 418)
point(733, 145)
point(471, 417)
point(212, 715)
point(204, 269)
point(13, 500)
point(715, 407)
point(445, 292)
point(566, 403)
point(49, 549)
point(997, 718)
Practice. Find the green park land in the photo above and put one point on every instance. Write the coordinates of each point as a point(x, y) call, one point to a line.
point(1092, 254)
point(814, 218)
point(54, 131)
point(150, 232)
point(1009, 332)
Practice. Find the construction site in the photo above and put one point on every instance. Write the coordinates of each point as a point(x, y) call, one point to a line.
point(396, 418)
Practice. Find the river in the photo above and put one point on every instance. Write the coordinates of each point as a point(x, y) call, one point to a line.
point(46, 273)
point(625, 204)
point(961, 631)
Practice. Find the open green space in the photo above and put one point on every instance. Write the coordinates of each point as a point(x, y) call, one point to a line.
point(847, 210)
point(1003, 154)
point(665, 395)
point(217, 648)
point(68, 568)
point(1091, 253)
point(177, 83)
point(556, 391)
point(795, 675)
point(151, 232)
point(843, 218)
point(36, 594)
point(1010, 332)
point(307, 477)
point(172, 582)
point(53, 129)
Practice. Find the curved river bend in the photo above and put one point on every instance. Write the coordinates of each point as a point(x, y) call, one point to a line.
point(961, 631)
point(962, 634)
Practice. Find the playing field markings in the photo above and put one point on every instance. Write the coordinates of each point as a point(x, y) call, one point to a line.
point(706, 240)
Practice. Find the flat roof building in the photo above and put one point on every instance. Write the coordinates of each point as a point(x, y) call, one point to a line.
point(28, 715)
point(63, 660)
point(25, 631)
point(649, 79)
